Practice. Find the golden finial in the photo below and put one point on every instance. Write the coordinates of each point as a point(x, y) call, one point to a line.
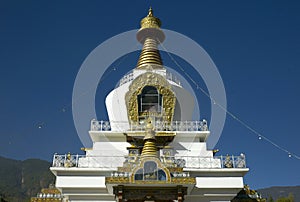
point(149, 130)
point(215, 151)
point(150, 21)
point(150, 13)
point(149, 148)
point(149, 125)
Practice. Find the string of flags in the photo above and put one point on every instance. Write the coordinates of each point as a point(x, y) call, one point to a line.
point(255, 132)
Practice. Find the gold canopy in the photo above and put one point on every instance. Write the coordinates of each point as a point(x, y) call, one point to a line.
point(150, 21)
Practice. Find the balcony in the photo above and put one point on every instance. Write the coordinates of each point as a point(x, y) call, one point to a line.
point(112, 162)
point(158, 125)
point(129, 77)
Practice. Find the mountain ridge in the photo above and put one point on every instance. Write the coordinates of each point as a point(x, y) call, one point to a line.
point(22, 179)
point(277, 192)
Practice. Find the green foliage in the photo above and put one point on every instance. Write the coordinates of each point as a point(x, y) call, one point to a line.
point(282, 193)
point(22, 179)
point(10, 174)
point(290, 198)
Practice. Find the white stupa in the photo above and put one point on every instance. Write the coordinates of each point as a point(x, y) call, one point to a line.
point(149, 150)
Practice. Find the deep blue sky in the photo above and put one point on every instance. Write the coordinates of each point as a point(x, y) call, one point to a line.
point(255, 45)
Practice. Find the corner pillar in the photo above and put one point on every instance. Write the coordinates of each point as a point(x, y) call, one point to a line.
point(119, 194)
point(179, 194)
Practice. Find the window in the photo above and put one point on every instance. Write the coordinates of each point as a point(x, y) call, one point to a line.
point(150, 172)
point(149, 100)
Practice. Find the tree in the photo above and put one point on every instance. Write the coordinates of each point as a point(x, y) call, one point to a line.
point(290, 198)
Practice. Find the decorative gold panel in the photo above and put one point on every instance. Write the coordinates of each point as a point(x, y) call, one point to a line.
point(175, 169)
point(126, 180)
point(163, 87)
point(117, 180)
point(184, 180)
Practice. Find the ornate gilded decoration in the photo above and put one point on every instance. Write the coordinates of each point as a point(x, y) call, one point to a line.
point(126, 180)
point(175, 169)
point(150, 55)
point(125, 169)
point(150, 103)
point(159, 166)
point(149, 148)
point(150, 35)
point(47, 194)
point(248, 195)
point(184, 180)
point(163, 87)
point(117, 180)
point(162, 138)
point(150, 21)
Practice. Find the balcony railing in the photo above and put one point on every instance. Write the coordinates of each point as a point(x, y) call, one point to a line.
point(129, 77)
point(125, 79)
point(112, 162)
point(173, 78)
point(158, 125)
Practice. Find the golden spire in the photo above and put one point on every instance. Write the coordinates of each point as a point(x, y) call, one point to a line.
point(149, 149)
point(150, 35)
